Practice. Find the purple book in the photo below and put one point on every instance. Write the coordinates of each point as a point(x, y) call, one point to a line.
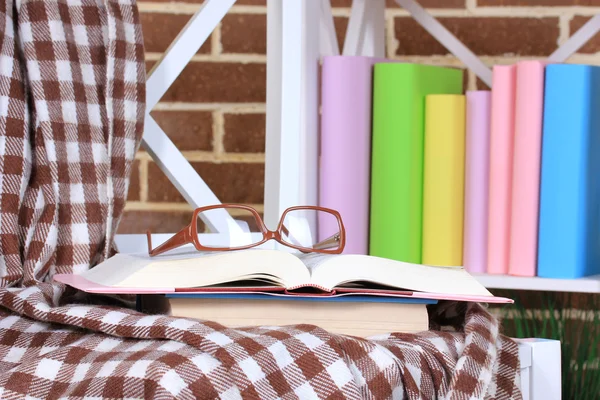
point(476, 181)
point(345, 161)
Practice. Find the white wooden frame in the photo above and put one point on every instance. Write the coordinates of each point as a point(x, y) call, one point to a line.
point(294, 47)
point(292, 89)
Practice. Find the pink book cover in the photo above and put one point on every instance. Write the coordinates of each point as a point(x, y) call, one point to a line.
point(529, 107)
point(116, 275)
point(476, 181)
point(345, 151)
point(86, 285)
point(501, 163)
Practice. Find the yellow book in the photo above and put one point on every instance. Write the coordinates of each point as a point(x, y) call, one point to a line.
point(443, 180)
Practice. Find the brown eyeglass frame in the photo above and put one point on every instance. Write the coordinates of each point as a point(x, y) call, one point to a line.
point(189, 234)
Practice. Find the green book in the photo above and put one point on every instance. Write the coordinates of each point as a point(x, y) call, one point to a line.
point(399, 92)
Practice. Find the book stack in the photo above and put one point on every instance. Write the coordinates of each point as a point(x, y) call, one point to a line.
point(501, 182)
point(349, 294)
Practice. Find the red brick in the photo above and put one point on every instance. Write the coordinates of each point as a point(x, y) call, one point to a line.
point(341, 25)
point(134, 182)
point(244, 133)
point(231, 182)
point(154, 221)
point(189, 130)
point(244, 33)
point(161, 29)
point(533, 3)
point(481, 85)
point(484, 36)
point(424, 3)
point(208, 82)
point(593, 45)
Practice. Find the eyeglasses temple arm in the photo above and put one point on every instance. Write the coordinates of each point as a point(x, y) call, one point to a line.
point(179, 239)
point(331, 241)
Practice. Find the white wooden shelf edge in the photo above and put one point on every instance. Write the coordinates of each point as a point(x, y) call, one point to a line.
point(582, 285)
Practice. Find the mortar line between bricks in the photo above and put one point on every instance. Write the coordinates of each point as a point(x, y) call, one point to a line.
point(216, 47)
point(501, 12)
point(392, 42)
point(218, 128)
point(470, 5)
point(226, 108)
point(533, 11)
point(187, 8)
point(471, 10)
point(154, 206)
point(564, 28)
point(450, 60)
point(238, 58)
point(170, 206)
point(143, 172)
point(471, 80)
point(209, 156)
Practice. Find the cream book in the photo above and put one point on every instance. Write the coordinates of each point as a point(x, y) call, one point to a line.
point(275, 271)
point(355, 315)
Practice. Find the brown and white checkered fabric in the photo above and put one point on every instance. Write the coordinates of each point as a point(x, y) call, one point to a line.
point(72, 99)
point(71, 118)
point(132, 355)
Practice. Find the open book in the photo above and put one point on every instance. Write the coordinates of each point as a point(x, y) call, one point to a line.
point(277, 272)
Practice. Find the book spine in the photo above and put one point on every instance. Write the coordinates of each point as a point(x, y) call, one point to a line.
point(529, 107)
point(501, 156)
point(395, 225)
point(476, 180)
point(570, 189)
point(443, 196)
point(345, 160)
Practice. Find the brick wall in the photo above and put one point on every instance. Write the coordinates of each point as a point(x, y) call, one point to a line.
point(214, 112)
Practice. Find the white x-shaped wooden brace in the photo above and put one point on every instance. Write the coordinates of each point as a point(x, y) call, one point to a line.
point(294, 47)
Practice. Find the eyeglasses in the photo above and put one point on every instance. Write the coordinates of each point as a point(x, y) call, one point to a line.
point(243, 228)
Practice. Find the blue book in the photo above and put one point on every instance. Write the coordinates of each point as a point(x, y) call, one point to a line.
point(324, 299)
point(569, 222)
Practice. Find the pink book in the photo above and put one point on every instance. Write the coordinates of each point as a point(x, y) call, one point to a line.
point(529, 106)
point(476, 181)
point(345, 161)
point(501, 162)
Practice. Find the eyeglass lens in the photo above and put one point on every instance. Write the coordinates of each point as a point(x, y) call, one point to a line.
point(240, 228)
point(296, 229)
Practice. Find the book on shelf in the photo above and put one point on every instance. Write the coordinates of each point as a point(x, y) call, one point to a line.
point(399, 92)
point(529, 107)
point(569, 221)
point(345, 151)
point(501, 164)
point(277, 271)
point(443, 182)
point(477, 166)
point(361, 316)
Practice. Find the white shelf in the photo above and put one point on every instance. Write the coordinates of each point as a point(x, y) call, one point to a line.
point(582, 285)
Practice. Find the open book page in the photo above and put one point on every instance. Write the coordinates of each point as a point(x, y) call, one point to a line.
point(186, 269)
point(312, 261)
point(335, 271)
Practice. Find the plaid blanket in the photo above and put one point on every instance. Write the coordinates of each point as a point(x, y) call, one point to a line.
point(131, 355)
point(71, 118)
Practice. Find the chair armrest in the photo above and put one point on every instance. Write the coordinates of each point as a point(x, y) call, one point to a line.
point(540, 369)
